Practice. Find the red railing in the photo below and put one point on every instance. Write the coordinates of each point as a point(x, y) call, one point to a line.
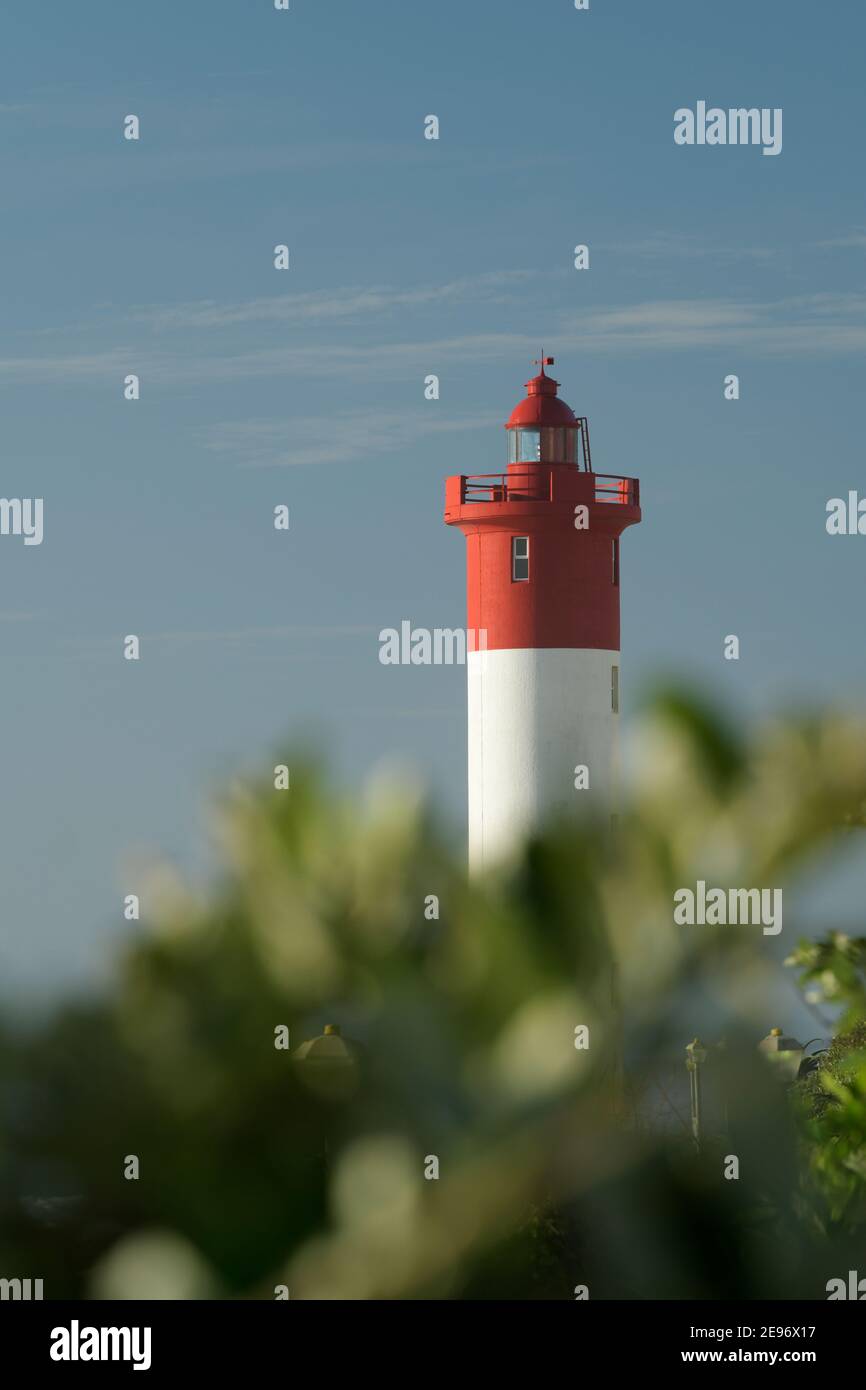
point(503, 487)
point(511, 487)
point(610, 488)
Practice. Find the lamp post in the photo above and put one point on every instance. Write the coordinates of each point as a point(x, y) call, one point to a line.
point(328, 1064)
point(783, 1052)
point(696, 1055)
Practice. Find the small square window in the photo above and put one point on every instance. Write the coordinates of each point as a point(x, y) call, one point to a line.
point(520, 557)
point(614, 689)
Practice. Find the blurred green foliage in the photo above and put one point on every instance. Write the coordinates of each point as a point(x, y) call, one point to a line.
point(558, 1166)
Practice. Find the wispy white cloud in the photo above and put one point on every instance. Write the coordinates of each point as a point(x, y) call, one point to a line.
point(173, 368)
point(198, 163)
point(335, 439)
point(855, 238)
point(228, 636)
point(818, 324)
point(413, 712)
point(666, 244)
point(324, 306)
point(73, 366)
point(255, 634)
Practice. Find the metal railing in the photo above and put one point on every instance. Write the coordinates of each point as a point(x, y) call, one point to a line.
point(610, 488)
point(511, 487)
point(503, 487)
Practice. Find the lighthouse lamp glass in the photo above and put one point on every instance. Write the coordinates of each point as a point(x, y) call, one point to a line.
point(558, 445)
point(547, 445)
point(524, 446)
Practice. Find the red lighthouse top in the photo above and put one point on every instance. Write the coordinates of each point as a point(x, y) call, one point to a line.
point(543, 537)
point(542, 407)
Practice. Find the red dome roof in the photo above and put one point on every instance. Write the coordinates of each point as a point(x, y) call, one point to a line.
point(542, 406)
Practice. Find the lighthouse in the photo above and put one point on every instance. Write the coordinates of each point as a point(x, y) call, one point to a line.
point(543, 583)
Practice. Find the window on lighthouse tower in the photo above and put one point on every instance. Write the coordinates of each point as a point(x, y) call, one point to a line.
point(520, 557)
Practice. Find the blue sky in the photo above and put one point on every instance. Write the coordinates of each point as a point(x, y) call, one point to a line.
point(408, 257)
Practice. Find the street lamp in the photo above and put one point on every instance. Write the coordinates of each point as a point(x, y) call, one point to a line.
point(782, 1051)
point(329, 1063)
point(696, 1055)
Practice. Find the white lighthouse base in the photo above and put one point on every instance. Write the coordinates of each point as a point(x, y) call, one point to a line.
point(536, 715)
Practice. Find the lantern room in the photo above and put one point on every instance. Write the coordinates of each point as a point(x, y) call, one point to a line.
point(542, 428)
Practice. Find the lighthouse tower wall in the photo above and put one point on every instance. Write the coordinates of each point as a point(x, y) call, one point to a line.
point(543, 590)
point(536, 716)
